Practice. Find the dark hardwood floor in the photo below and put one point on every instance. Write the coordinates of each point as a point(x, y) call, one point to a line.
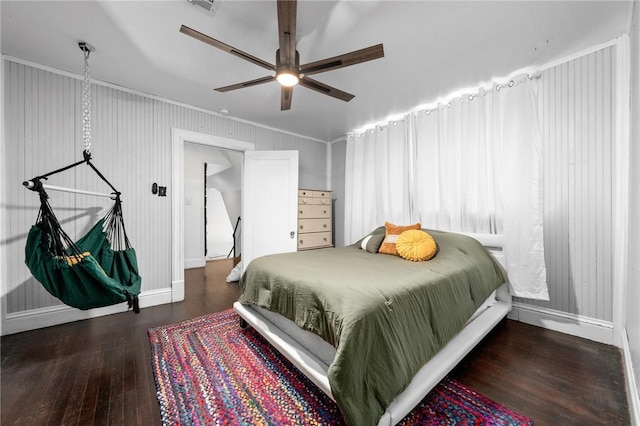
point(98, 371)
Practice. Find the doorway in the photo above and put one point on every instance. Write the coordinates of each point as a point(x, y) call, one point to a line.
point(212, 189)
point(222, 203)
point(180, 138)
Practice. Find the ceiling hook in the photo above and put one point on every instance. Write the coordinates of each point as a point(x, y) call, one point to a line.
point(86, 47)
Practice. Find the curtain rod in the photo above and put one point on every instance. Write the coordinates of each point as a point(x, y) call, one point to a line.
point(469, 93)
point(480, 91)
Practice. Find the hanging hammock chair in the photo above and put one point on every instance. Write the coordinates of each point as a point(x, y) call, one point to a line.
point(100, 269)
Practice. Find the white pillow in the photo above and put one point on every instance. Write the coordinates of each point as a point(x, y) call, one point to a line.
point(365, 240)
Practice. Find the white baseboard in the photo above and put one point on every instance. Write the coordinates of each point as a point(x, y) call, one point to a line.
point(575, 325)
point(630, 378)
point(199, 262)
point(46, 317)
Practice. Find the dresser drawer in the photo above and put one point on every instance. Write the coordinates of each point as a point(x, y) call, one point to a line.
point(306, 200)
point(314, 240)
point(321, 201)
point(313, 211)
point(314, 225)
point(322, 194)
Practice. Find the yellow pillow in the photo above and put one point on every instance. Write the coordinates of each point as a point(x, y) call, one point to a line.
point(416, 245)
point(391, 235)
point(75, 258)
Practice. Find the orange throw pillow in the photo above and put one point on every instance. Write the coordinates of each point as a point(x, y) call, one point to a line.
point(391, 235)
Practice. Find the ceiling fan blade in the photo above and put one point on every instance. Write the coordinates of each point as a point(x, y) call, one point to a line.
point(223, 46)
point(246, 84)
point(312, 84)
point(341, 61)
point(287, 10)
point(286, 93)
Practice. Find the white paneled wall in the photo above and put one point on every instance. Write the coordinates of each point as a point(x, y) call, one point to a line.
point(577, 118)
point(131, 145)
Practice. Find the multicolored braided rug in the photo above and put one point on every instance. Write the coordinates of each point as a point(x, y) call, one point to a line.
point(209, 371)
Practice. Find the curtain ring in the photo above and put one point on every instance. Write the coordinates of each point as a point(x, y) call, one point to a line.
point(511, 83)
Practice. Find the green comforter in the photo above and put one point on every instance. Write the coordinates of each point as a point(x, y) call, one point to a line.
point(386, 316)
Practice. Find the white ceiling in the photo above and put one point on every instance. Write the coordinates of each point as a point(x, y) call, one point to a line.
point(432, 48)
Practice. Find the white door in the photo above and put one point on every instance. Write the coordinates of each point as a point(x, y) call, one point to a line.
point(269, 203)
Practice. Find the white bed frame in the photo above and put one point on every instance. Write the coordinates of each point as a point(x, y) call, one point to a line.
point(287, 343)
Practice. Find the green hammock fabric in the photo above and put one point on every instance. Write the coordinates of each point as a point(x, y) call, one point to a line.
point(89, 273)
point(120, 265)
point(84, 285)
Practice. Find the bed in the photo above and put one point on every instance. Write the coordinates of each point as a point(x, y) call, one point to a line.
point(376, 332)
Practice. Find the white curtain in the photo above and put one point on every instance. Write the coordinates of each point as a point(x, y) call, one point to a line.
point(471, 165)
point(518, 138)
point(454, 175)
point(377, 179)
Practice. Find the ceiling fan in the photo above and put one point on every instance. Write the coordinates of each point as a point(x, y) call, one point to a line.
point(288, 71)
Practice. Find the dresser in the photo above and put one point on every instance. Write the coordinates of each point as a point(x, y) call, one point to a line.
point(314, 219)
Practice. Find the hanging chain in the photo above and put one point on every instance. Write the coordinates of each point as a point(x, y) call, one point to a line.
point(86, 103)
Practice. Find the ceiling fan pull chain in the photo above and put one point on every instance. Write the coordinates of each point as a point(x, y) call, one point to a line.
point(86, 100)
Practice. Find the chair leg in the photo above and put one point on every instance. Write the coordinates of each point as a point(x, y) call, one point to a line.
point(243, 323)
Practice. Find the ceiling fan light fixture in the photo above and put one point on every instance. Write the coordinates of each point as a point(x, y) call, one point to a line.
point(287, 78)
point(288, 71)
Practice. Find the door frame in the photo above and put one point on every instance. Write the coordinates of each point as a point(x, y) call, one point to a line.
point(178, 138)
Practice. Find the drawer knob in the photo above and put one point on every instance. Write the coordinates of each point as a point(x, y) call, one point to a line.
point(324, 211)
point(300, 211)
point(324, 225)
point(301, 227)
